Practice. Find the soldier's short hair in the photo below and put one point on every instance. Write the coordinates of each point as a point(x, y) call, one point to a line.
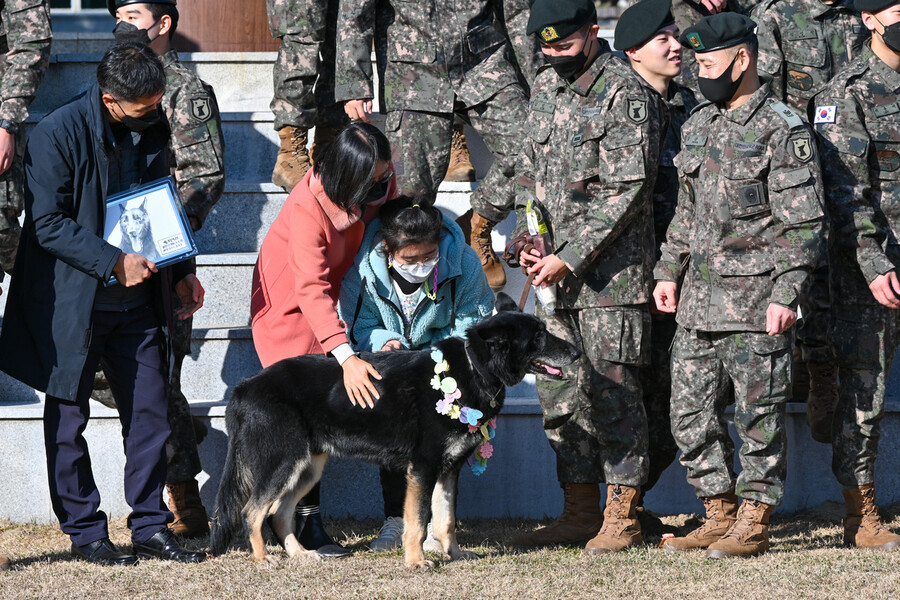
point(130, 71)
point(160, 10)
point(347, 165)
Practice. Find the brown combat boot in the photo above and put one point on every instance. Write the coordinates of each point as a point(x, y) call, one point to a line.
point(461, 167)
point(822, 400)
point(322, 136)
point(621, 528)
point(580, 520)
point(749, 536)
point(293, 160)
point(190, 516)
point(721, 513)
point(863, 526)
point(479, 237)
point(4, 563)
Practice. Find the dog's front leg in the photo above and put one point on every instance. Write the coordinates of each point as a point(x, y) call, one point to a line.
point(419, 485)
point(443, 515)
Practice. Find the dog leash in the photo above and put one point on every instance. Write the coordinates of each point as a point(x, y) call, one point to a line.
point(525, 291)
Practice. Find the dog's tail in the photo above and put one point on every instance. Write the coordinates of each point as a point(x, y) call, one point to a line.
point(234, 490)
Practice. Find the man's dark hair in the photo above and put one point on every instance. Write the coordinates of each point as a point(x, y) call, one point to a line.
point(160, 10)
point(347, 165)
point(130, 71)
point(410, 220)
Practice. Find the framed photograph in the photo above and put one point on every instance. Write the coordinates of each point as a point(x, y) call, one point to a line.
point(149, 220)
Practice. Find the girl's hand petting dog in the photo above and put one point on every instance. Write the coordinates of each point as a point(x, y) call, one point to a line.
point(356, 380)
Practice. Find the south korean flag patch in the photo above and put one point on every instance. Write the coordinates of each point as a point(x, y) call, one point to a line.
point(825, 114)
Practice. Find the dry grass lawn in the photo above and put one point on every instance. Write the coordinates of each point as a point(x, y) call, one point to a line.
point(806, 561)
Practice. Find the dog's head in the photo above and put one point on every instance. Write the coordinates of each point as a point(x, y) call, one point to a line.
point(134, 221)
point(511, 344)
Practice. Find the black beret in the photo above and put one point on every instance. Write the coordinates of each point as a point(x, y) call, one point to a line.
point(873, 5)
point(715, 32)
point(554, 20)
point(641, 21)
point(112, 5)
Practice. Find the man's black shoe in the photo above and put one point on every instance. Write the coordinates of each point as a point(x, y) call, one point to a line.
point(164, 545)
point(103, 552)
point(310, 532)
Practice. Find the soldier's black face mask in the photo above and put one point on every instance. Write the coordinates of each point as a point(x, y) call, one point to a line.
point(891, 35)
point(569, 66)
point(722, 88)
point(139, 124)
point(126, 32)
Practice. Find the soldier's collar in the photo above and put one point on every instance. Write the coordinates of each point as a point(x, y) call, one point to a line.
point(887, 75)
point(819, 8)
point(743, 113)
point(585, 83)
point(169, 57)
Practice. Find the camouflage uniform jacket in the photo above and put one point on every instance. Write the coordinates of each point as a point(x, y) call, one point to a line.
point(305, 19)
point(526, 48)
point(748, 224)
point(804, 43)
point(438, 51)
point(25, 44)
point(590, 159)
point(857, 119)
point(197, 146)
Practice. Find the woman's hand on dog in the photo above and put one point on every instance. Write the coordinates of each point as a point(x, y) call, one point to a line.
point(132, 269)
point(359, 387)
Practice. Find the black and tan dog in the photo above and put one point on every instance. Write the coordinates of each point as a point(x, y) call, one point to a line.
point(285, 421)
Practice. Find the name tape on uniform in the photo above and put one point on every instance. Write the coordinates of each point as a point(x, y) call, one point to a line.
point(825, 114)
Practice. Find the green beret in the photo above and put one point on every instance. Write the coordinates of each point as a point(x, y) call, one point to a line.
point(554, 20)
point(641, 21)
point(873, 5)
point(112, 5)
point(722, 30)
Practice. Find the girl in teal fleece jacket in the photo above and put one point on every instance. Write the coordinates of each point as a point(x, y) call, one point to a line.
point(414, 282)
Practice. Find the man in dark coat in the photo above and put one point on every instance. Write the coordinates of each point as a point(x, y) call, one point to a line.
point(63, 318)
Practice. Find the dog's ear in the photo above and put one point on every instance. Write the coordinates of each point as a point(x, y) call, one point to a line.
point(505, 303)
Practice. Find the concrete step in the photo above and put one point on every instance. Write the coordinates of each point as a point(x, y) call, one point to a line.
point(220, 358)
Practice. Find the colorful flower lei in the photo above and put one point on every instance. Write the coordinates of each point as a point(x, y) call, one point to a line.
point(470, 416)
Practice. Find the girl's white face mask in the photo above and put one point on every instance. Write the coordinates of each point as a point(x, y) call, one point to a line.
point(416, 272)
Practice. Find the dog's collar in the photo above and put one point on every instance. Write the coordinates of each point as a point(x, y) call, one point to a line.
point(467, 415)
point(483, 374)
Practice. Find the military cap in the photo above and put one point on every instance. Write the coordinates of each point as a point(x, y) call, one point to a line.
point(112, 5)
point(873, 5)
point(722, 30)
point(641, 21)
point(554, 20)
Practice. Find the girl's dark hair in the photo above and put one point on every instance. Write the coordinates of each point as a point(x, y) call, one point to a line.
point(130, 71)
point(346, 166)
point(409, 220)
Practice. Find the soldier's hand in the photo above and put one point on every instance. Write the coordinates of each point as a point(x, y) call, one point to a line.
point(7, 150)
point(549, 270)
point(358, 110)
point(191, 295)
point(529, 256)
point(665, 294)
point(132, 269)
point(779, 319)
point(715, 6)
point(886, 289)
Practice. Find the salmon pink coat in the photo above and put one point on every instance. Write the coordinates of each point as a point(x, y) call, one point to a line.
point(296, 282)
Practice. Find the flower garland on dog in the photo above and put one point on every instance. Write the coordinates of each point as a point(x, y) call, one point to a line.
point(469, 416)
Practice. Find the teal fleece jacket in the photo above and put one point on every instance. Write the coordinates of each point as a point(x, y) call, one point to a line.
point(370, 307)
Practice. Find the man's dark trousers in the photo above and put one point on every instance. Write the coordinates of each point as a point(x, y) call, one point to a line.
point(131, 345)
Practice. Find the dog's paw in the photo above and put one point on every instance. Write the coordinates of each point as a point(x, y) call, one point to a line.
point(267, 560)
point(420, 565)
point(464, 555)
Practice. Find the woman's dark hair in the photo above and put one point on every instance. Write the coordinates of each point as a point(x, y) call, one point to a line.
point(130, 71)
point(409, 220)
point(160, 10)
point(347, 165)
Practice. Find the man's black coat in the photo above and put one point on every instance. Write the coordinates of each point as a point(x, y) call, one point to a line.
point(62, 255)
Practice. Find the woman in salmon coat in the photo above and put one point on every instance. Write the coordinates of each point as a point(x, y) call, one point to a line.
point(296, 282)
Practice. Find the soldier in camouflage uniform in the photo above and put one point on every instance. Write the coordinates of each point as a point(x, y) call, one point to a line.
point(589, 163)
point(304, 83)
point(745, 236)
point(802, 44)
point(655, 54)
point(444, 58)
point(857, 120)
point(25, 42)
point(197, 157)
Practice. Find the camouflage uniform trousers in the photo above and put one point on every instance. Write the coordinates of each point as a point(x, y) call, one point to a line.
point(12, 199)
point(706, 366)
point(594, 418)
point(304, 69)
point(813, 337)
point(865, 341)
point(420, 145)
point(656, 384)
